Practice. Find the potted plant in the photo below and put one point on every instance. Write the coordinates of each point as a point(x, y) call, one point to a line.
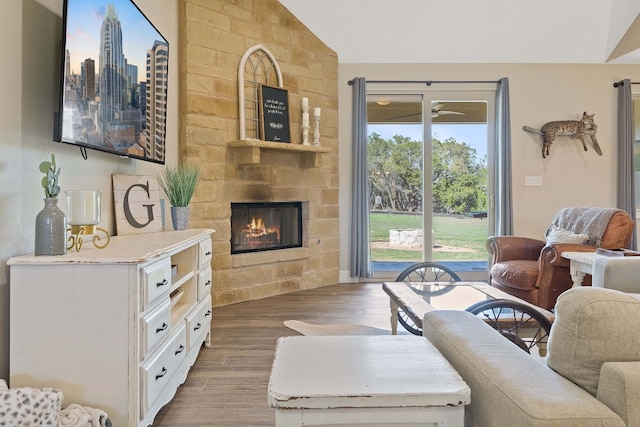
point(178, 184)
point(51, 222)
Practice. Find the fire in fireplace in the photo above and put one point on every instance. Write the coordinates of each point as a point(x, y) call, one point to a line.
point(265, 226)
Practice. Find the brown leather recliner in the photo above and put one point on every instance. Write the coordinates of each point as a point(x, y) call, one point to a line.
point(530, 270)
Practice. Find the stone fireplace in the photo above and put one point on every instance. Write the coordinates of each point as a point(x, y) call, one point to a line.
point(265, 226)
point(214, 36)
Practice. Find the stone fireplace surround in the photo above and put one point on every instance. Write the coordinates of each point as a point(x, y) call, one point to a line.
point(214, 34)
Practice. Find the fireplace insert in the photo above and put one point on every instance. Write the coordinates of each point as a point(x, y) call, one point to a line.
point(265, 226)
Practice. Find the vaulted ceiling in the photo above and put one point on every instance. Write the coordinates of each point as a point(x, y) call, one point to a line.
point(475, 31)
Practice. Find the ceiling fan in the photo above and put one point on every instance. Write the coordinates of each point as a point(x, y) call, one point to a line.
point(436, 111)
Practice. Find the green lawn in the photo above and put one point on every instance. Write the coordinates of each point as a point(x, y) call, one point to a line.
point(459, 237)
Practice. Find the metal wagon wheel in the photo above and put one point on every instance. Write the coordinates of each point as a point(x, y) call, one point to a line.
point(438, 277)
point(521, 324)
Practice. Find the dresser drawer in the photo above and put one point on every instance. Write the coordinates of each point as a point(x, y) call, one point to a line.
point(156, 326)
point(156, 281)
point(204, 283)
point(199, 322)
point(205, 252)
point(157, 372)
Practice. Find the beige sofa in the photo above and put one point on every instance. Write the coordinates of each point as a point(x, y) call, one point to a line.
point(620, 273)
point(591, 376)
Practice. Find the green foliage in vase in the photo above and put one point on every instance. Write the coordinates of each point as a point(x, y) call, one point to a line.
point(51, 175)
point(179, 183)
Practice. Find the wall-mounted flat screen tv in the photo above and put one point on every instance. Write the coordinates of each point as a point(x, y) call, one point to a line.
point(114, 80)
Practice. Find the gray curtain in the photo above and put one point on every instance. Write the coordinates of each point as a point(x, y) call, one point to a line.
point(360, 255)
point(503, 210)
point(626, 176)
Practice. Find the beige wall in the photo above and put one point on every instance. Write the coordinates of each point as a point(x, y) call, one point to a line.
point(539, 93)
point(216, 34)
point(28, 89)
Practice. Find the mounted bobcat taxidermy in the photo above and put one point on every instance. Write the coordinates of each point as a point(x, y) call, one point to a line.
point(575, 128)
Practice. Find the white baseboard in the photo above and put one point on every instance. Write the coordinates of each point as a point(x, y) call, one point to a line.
point(388, 276)
point(344, 276)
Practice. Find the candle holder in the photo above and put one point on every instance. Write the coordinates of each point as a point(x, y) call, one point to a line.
point(305, 121)
point(316, 132)
point(83, 215)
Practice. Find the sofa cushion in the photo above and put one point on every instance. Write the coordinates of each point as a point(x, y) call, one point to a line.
point(508, 386)
point(619, 389)
point(619, 273)
point(593, 326)
point(26, 406)
point(520, 274)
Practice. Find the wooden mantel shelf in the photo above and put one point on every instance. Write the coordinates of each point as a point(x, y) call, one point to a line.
point(249, 151)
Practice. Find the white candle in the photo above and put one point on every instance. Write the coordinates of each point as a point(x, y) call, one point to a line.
point(305, 102)
point(316, 112)
point(84, 207)
point(305, 119)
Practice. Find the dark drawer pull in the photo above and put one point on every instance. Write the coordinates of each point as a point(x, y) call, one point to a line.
point(208, 283)
point(207, 253)
point(163, 283)
point(162, 328)
point(179, 350)
point(162, 373)
point(198, 326)
point(208, 313)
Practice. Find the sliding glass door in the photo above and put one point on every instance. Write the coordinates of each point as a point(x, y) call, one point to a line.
point(428, 178)
point(396, 178)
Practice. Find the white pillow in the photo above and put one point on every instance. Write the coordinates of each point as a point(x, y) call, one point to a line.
point(560, 235)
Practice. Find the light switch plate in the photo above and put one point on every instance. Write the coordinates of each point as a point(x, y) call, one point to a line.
point(533, 181)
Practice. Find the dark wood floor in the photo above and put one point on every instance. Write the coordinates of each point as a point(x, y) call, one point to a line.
point(227, 386)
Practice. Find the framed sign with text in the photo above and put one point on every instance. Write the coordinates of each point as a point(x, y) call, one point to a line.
point(274, 114)
point(136, 201)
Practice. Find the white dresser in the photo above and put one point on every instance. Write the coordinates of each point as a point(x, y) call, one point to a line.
point(115, 328)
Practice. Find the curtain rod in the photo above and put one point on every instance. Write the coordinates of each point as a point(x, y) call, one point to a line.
point(621, 82)
point(427, 82)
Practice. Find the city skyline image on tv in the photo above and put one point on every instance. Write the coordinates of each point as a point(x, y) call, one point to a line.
point(114, 80)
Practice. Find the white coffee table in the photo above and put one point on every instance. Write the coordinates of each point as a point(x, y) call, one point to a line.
point(364, 380)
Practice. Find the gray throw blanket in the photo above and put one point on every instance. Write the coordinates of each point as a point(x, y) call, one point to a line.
point(590, 221)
